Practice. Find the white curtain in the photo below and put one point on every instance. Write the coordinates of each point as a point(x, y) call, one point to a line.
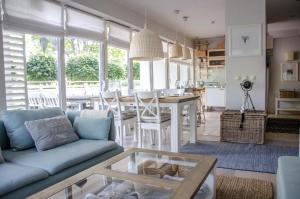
point(119, 35)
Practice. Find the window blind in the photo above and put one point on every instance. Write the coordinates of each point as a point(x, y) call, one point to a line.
point(119, 35)
point(33, 16)
point(81, 24)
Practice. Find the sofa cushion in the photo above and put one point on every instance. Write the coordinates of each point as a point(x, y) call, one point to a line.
point(62, 157)
point(92, 128)
point(49, 133)
point(18, 135)
point(14, 176)
point(288, 177)
point(1, 157)
point(4, 141)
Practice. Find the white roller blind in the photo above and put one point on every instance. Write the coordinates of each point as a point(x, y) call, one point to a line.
point(33, 16)
point(81, 24)
point(119, 35)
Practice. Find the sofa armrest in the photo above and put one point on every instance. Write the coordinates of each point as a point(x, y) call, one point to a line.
point(112, 134)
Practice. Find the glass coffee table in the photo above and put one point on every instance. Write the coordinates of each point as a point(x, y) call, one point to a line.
point(141, 174)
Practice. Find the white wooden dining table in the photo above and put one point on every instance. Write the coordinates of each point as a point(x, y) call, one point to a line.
point(175, 104)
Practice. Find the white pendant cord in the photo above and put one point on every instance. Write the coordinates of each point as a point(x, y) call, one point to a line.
point(185, 18)
point(146, 19)
point(176, 19)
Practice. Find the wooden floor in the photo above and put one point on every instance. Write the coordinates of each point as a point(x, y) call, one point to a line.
point(210, 131)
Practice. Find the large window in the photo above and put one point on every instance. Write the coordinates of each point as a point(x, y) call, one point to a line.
point(117, 69)
point(184, 74)
point(173, 74)
point(41, 64)
point(159, 74)
point(82, 72)
point(143, 83)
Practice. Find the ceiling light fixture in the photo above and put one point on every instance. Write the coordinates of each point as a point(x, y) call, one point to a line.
point(176, 49)
point(146, 45)
point(186, 54)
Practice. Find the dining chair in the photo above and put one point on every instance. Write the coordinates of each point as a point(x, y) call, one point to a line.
point(124, 120)
point(150, 117)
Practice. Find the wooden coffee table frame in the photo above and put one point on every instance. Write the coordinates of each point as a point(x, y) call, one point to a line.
point(183, 189)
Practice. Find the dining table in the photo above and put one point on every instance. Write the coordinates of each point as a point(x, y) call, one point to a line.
point(176, 105)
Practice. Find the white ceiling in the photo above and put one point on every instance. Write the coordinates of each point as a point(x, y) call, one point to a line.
point(200, 12)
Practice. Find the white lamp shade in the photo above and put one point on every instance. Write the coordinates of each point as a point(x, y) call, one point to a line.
point(186, 54)
point(146, 46)
point(175, 50)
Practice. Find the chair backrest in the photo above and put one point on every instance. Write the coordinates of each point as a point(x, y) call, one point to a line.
point(179, 92)
point(147, 106)
point(35, 101)
point(110, 100)
point(50, 101)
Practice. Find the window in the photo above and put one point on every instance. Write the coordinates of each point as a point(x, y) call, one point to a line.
point(117, 69)
point(173, 74)
point(41, 63)
point(184, 74)
point(143, 69)
point(82, 72)
point(159, 74)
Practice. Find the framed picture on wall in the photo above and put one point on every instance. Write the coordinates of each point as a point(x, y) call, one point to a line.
point(245, 40)
point(290, 71)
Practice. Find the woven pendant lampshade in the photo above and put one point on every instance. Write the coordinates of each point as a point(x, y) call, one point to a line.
point(146, 46)
point(175, 50)
point(186, 54)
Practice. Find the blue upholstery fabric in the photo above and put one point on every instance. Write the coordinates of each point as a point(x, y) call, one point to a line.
point(4, 141)
point(112, 134)
point(288, 177)
point(13, 176)
point(92, 128)
point(1, 157)
point(19, 137)
point(62, 157)
point(40, 185)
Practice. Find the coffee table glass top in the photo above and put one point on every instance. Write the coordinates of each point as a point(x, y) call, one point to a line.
point(101, 186)
point(155, 165)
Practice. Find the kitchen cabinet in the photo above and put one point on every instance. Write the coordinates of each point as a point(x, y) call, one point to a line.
point(216, 58)
point(215, 97)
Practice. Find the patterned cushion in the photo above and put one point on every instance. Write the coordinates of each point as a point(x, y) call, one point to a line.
point(51, 132)
point(1, 157)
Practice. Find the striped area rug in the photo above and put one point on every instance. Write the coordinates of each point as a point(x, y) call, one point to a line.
point(230, 187)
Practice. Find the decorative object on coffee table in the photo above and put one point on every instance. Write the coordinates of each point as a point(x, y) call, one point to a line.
point(253, 130)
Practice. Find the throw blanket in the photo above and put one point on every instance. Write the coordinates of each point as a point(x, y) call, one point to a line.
point(94, 113)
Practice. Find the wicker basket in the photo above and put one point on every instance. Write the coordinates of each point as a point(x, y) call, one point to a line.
point(253, 127)
point(287, 94)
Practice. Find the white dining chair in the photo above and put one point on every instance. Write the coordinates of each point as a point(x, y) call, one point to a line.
point(150, 117)
point(124, 120)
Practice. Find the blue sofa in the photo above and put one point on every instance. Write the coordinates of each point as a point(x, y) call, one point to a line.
point(28, 171)
point(288, 177)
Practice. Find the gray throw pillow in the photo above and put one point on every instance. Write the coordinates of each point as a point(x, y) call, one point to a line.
point(51, 132)
point(1, 157)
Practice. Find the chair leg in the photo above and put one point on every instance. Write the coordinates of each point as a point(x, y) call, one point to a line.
point(140, 131)
point(135, 132)
point(159, 138)
point(121, 133)
point(152, 133)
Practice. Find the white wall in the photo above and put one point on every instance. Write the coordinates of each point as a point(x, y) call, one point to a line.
point(280, 47)
point(244, 12)
point(113, 11)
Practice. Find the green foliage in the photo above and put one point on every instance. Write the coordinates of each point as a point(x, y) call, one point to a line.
point(136, 70)
point(41, 68)
point(82, 68)
point(116, 72)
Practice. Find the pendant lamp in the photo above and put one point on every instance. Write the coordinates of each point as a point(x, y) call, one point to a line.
point(186, 54)
point(146, 45)
point(176, 49)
